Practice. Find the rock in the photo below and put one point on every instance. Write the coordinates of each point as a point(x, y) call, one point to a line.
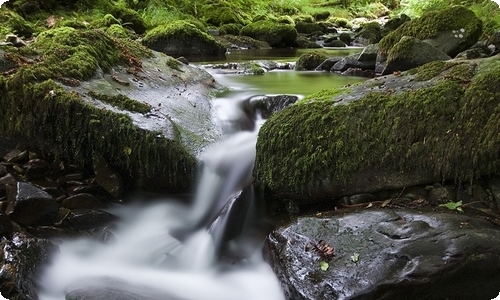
point(5, 64)
point(304, 43)
point(352, 61)
point(6, 227)
point(182, 38)
point(310, 60)
point(359, 72)
point(107, 178)
point(15, 40)
point(21, 265)
point(85, 219)
point(346, 38)
point(31, 206)
point(494, 186)
point(476, 51)
point(335, 43)
point(451, 30)
point(241, 42)
point(394, 23)
point(387, 254)
point(441, 195)
point(270, 105)
point(328, 63)
point(275, 34)
point(412, 116)
point(82, 201)
point(409, 53)
point(369, 53)
point(370, 33)
point(494, 41)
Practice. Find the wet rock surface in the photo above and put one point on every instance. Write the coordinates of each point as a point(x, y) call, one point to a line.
point(387, 254)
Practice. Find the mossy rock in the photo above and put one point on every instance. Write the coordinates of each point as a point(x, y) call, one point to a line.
point(130, 18)
point(370, 33)
point(452, 30)
point(303, 18)
point(241, 41)
point(275, 34)
point(311, 60)
point(285, 20)
point(233, 29)
point(182, 38)
point(14, 23)
point(339, 22)
point(304, 43)
point(117, 31)
point(412, 128)
point(321, 15)
point(308, 28)
point(221, 13)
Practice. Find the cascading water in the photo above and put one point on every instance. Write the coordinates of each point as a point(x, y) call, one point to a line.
point(172, 251)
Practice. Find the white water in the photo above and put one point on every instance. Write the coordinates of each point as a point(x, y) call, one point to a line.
point(146, 259)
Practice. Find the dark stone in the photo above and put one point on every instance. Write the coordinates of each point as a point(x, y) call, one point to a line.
point(270, 105)
point(39, 169)
point(183, 60)
point(17, 156)
point(369, 53)
point(359, 72)
point(31, 206)
point(335, 43)
point(21, 265)
point(442, 195)
point(494, 186)
point(370, 33)
point(394, 23)
point(476, 51)
point(106, 177)
point(5, 64)
point(5, 225)
point(328, 63)
point(352, 61)
point(82, 201)
point(88, 219)
point(387, 254)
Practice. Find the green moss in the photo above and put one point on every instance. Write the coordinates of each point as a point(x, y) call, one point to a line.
point(232, 28)
point(307, 28)
point(68, 52)
point(14, 23)
point(108, 20)
point(117, 31)
point(326, 95)
point(285, 20)
point(182, 29)
point(174, 64)
point(129, 18)
point(223, 12)
point(311, 60)
point(275, 34)
point(122, 102)
point(431, 23)
point(339, 22)
point(304, 18)
point(449, 128)
point(428, 71)
point(47, 115)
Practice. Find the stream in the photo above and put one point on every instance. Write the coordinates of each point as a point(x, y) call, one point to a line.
point(209, 249)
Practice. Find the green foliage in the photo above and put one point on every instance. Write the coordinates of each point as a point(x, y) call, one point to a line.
point(222, 12)
point(453, 206)
point(14, 23)
point(233, 29)
point(323, 265)
point(117, 31)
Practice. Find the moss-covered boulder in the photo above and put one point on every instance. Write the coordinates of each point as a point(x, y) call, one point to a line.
point(409, 53)
point(438, 121)
point(222, 12)
point(85, 93)
point(275, 34)
point(311, 60)
point(182, 38)
point(370, 33)
point(307, 28)
point(451, 30)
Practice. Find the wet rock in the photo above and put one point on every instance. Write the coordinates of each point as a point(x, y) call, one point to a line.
point(15, 40)
point(5, 225)
point(476, 51)
point(16, 156)
point(370, 33)
point(20, 265)
point(359, 72)
point(106, 177)
point(494, 186)
point(369, 53)
point(82, 201)
point(335, 43)
point(269, 105)
point(85, 219)
point(31, 206)
point(442, 194)
point(5, 64)
point(387, 254)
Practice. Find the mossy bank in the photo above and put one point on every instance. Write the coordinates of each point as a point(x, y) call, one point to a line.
point(440, 121)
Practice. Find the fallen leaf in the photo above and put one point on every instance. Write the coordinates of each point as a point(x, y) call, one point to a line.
point(324, 265)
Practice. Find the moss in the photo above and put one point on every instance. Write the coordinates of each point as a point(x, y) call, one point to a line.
point(257, 70)
point(122, 102)
point(304, 18)
point(116, 30)
point(449, 128)
point(275, 34)
point(285, 20)
point(339, 22)
point(326, 95)
point(72, 53)
point(129, 18)
point(232, 28)
point(14, 23)
point(108, 20)
point(311, 60)
point(307, 28)
point(430, 24)
point(221, 13)
point(321, 15)
point(428, 71)
point(182, 29)
point(47, 115)
point(174, 64)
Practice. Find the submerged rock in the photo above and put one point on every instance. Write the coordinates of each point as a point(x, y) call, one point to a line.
point(387, 254)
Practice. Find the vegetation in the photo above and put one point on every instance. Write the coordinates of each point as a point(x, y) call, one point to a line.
point(275, 34)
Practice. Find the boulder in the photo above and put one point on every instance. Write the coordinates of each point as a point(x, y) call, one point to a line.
point(335, 43)
point(370, 33)
point(387, 254)
point(275, 34)
point(450, 30)
point(31, 206)
point(400, 130)
point(352, 61)
point(85, 219)
point(327, 64)
point(369, 53)
point(269, 105)
point(182, 38)
point(409, 53)
point(5, 64)
point(310, 60)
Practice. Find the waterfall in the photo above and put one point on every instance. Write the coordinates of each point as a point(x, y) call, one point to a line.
point(168, 250)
